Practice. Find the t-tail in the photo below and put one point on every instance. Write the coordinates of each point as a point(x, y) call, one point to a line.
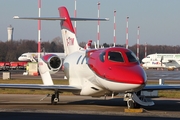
point(69, 37)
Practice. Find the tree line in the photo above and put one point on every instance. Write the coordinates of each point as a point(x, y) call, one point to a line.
point(10, 51)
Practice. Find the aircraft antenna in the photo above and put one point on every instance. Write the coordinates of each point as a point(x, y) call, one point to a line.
point(138, 41)
point(114, 28)
point(39, 29)
point(127, 32)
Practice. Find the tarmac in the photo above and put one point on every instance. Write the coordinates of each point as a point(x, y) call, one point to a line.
point(23, 106)
point(18, 106)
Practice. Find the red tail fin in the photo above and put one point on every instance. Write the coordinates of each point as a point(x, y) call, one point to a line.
point(69, 38)
point(66, 23)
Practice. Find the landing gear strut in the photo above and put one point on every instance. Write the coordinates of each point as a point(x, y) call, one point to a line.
point(55, 98)
point(128, 97)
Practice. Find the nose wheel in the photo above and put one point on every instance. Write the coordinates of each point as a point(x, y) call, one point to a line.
point(55, 98)
point(130, 104)
point(128, 97)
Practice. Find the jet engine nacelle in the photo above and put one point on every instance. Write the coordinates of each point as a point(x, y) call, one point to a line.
point(53, 62)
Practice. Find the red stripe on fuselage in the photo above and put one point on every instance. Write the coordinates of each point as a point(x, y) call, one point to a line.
point(46, 57)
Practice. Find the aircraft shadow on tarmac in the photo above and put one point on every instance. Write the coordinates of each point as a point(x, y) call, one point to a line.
point(165, 105)
point(160, 105)
point(100, 102)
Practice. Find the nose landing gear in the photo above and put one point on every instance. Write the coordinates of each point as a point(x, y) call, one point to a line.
point(134, 101)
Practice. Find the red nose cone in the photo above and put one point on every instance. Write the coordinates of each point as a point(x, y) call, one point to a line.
point(126, 74)
point(117, 65)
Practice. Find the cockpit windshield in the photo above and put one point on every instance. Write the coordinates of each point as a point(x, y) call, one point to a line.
point(115, 56)
point(102, 56)
point(131, 57)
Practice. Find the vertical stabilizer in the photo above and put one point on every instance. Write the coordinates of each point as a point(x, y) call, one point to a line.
point(68, 34)
point(44, 72)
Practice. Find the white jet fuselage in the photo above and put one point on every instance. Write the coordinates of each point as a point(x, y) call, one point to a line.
point(79, 74)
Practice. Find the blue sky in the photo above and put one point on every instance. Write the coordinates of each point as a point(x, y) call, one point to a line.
point(159, 20)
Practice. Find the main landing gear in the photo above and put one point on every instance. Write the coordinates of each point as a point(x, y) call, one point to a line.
point(55, 98)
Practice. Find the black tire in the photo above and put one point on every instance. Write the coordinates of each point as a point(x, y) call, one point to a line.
point(52, 99)
point(131, 104)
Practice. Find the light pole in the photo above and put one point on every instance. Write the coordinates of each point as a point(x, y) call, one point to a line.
point(75, 30)
point(39, 29)
point(114, 28)
point(98, 34)
point(127, 32)
point(138, 41)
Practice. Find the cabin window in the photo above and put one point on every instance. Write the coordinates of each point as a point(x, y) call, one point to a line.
point(131, 57)
point(115, 56)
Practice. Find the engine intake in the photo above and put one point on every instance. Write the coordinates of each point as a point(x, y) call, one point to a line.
point(53, 62)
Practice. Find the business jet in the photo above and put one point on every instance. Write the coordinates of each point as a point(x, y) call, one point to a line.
point(92, 72)
point(32, 56)
point(161, 61)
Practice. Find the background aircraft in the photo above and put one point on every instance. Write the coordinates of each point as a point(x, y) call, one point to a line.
point(93, 72)
point(32, 56)
point(161, 61)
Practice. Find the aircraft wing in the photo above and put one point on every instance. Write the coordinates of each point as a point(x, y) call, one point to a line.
point(172, 63)
point(162, 87)
point(62, 88)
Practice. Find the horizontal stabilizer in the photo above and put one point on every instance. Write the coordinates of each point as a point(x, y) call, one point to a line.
point(61, 18)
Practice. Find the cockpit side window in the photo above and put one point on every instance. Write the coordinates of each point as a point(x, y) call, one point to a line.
point(131, 57)
point(102, 56)
point(115, 56)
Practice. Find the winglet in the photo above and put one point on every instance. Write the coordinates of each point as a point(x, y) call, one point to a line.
point(16, 17)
